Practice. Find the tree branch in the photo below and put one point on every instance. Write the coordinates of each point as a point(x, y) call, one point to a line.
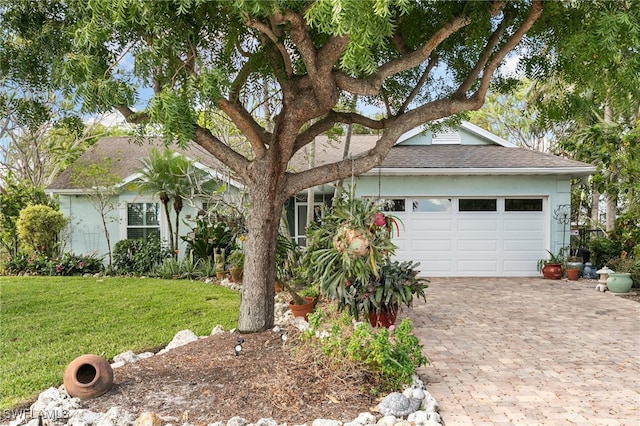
point(329, 120)
point(235, 161)
point(485, 56)
point(433, 60)
point(319, 64)
point(264, 29)
point(371, 86)
point(255, 134)
point(132, 116)
point(534, 13)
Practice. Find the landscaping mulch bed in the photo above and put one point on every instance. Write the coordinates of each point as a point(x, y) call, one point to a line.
point(205, 381)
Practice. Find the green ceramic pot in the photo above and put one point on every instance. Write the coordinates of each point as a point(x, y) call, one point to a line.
point(619, 282)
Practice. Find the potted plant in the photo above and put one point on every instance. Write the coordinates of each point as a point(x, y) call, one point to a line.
point(397, 285)
point(620, 281)
point(348, 252)
point(551, 268)
point(289, 277)
point(236, 265)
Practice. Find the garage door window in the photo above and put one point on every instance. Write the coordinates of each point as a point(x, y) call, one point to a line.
point(437, 205)
point(394, 205)
point(523, 205)
point(477, 204)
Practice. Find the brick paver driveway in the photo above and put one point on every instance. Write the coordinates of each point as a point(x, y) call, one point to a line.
point(529, 351)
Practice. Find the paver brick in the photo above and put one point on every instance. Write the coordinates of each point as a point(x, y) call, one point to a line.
point(530, 351)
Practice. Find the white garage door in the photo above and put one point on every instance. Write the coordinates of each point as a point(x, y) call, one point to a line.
point(491, 236)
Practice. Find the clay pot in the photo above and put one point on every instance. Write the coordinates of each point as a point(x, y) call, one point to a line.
point(385, 318)
point(303, 310)
point(573, 274)
point(88, 376)
point(552, 271)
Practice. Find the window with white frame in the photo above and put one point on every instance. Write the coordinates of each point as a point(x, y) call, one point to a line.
point(143, 220)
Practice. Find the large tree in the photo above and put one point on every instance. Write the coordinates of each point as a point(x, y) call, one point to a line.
point(420, 61)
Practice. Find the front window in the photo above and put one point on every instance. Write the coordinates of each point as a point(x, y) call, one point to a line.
point(143, 221)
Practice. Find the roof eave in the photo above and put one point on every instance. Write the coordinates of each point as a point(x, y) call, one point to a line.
point(484, 171)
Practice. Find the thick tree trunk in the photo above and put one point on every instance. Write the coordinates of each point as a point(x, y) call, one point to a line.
point(612, 213)
point(595, 209)
point(256, 305)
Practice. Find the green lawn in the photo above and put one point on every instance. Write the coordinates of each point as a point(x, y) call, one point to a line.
point(45, 322)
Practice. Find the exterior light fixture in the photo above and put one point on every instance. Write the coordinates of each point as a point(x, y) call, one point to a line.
point(238, 347)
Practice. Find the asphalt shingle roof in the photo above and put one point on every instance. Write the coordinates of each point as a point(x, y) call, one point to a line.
point(472, 156)
point(127, 157)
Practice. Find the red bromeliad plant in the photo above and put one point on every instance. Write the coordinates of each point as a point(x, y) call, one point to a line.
point(348, 253)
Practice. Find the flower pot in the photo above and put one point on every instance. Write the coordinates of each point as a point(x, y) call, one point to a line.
point(221, 275)
point(385, 318)
point(88, 376)
point(236, 274)
point(619, 282)
point(573, 274)
point(552, 271)
point(303, 310)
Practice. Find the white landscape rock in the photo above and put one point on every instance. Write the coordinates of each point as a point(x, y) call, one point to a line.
point(363, 419)
point(326, 422)
point(218, 329)
point(237, 421)
point(116, 416)
point(126, 357)
point(180, 339)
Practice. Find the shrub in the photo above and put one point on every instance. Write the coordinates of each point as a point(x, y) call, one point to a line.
point(67, 264)
point(71, 264)
point(390, 357)
point(212, 233)
point(138, 256)
point(603, 250)
point(39, 229)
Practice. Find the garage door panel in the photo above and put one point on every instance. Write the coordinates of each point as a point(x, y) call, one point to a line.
point(432, 245)
point(478, 224)
point(532, 245)
point(523, 223)
point(431, 224)
point(425, 254)
point(477, 266)
point(435, 267)
point(516, 267)
point(477, 245)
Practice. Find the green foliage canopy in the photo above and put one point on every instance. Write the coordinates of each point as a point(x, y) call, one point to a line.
point(420, 61)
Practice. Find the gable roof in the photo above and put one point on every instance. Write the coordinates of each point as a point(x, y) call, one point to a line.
point(497, 158)
point(127, 159)
point(466, 126)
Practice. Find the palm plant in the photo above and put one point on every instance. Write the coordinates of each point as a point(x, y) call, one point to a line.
point(156, 177)
point(170, 176)
point(181, 171)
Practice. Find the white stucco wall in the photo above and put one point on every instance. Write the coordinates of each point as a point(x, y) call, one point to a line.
point(85, 233)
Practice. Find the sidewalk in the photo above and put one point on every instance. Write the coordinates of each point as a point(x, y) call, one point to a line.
point(529, 351)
